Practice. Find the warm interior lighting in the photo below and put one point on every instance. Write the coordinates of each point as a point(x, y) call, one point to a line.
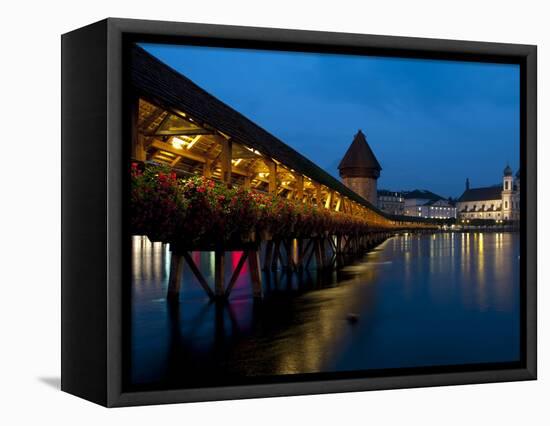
point(263, 174)
point(255, 151)
point(178, 143)
point(237, 161)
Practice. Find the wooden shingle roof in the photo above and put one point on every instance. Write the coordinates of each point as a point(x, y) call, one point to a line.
point(359, 156)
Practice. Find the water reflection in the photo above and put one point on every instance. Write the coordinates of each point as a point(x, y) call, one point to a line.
point(420, 300)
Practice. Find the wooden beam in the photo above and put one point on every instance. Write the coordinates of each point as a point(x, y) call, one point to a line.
point(181, 132)
point(156, 144)
point(190, 154)
point(225, 160)
point(196, 271)
point(236, 273)
point(151, 118)
point(175, 161)
point(246, 184)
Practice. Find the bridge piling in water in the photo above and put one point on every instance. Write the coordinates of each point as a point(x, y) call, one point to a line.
point(176, 276)
point(330, 252)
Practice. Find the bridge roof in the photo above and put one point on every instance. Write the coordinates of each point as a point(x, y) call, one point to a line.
point(169, 89)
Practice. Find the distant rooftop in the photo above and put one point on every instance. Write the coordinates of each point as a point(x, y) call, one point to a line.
point(481, 194)
point(388, 193)
point(422, 194)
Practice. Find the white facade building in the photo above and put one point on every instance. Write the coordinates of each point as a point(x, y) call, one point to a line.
point(391, 202)
point(426, 204)
point(498, 202)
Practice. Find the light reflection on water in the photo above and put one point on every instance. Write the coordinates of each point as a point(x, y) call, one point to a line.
point(420, 300)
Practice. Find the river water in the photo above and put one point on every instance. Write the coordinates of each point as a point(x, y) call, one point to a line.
point(414, 301)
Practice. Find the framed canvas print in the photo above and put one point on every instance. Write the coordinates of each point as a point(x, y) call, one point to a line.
point(251, 212)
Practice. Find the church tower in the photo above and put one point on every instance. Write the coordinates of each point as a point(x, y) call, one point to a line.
point(507, 193)
point(360, 170)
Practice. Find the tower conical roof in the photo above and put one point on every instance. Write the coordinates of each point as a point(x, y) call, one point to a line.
point(508, 170)
point(359, 158)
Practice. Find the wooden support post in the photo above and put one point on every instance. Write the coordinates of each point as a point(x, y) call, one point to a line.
point(313, 243)
point(276, 254)
point(339, 254)
point(207, 169)
point(197, 274)
point(246, 183)
point(300, 254)
point(272, 176)
point(300, 188)
point(141, 153)
point(326, 262)
point(138, 146)
point(289, 258)
point(328, 202)
point(319, 254)
point(176, 275)
point(225, 159)
point(318, 194)
point(255, 274)
point(332, 248)
point(219, 273)
point(236, 274)
point(268, 255)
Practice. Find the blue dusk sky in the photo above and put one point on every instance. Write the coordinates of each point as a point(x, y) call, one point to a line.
point(430, 123)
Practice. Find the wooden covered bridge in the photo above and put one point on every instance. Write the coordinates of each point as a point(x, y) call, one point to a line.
point(178, 124)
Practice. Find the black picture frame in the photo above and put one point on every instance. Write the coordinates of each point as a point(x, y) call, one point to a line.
point(94, 126)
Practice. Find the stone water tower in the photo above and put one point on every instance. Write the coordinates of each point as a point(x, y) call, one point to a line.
point(359, 169)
